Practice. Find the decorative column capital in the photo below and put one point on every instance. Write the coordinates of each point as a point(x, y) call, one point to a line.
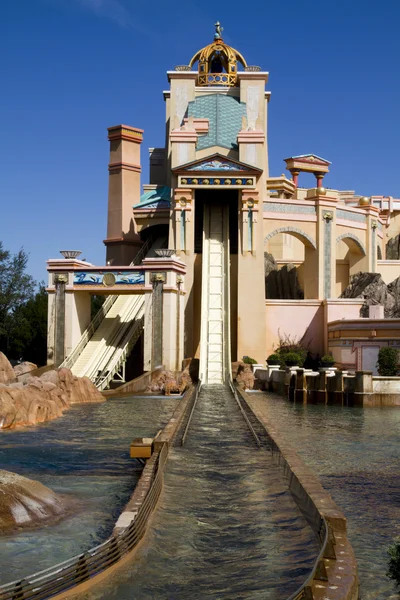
point(327, 215)
point(157, 277)
point(60, 278)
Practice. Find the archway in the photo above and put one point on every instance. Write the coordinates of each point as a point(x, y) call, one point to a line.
point(290, 264)
point(350, 251)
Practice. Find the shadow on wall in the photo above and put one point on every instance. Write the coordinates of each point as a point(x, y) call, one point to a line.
point(281, 284)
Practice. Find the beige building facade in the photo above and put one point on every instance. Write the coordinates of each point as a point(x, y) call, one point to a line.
point(208, 218)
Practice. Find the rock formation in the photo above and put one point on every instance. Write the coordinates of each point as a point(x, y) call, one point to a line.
point(24, 368)
point(169, 383)
point(7, 374)
point(373, 290)
point(281, 283)
point(25, 502)
point(44, 398)
point(245, 377)
point(393, 248)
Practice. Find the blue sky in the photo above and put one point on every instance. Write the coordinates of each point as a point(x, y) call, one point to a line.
point(72, 68)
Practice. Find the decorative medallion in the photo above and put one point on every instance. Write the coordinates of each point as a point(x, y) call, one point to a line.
point(109, 279)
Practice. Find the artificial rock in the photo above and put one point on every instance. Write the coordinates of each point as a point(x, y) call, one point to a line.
point(25, 502)
point(44, 398)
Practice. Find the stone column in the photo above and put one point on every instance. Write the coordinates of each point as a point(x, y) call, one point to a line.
point(295, 177)
point(60, 280)
point(158, 280)
point(372, 213)
point(251, 326)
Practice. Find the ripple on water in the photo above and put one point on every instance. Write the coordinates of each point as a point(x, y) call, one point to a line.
point(226, 526)
point(356, 454)
point(83, 455)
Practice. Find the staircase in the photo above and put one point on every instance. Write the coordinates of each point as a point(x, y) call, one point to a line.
point(102, 351)
point(215, 365)
point(102, 356)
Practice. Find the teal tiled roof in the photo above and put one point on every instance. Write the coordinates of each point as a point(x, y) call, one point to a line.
point(158, 198)
point(224, 114)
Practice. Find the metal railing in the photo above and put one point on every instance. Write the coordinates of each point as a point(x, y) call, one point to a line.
point(196, 395)
point(70, 573)
point(316, 521)
point(249, 425)
point(120, 355)
point(102, 312)
point(304, 592)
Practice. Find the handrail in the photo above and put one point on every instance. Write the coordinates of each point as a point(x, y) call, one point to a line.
point(73, 356)
point(120, 354)
point(82, 567)
point(196, 395)
point(321, 530)
point(105, 348)
point(249, 425)
point(303, 592)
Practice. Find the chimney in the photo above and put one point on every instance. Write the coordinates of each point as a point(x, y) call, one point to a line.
point(122, 242)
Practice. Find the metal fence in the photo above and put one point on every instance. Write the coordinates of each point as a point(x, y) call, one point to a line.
point(81, 568)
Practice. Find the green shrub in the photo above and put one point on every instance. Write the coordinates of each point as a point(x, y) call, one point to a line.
point(394, 560)
point(274, 358)
point(328, 358)
point(289, 344)
point(249, 361)
point(388, 359)
point(292, 357)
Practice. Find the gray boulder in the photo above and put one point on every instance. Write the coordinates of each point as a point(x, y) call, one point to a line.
point(373, 290)
point(393, 248)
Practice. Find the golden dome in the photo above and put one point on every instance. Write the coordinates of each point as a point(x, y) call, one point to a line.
point(218, 62)
point(364, 201)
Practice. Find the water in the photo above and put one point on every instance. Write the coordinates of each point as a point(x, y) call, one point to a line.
point(226, 527)
point(356, 454)
point(84, 456)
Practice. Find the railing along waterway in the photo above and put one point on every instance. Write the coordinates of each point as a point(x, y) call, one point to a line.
point(80, 568)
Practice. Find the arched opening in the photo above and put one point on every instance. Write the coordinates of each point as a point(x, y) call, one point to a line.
point(379, 252)
point(349, 253)
point(290, 265)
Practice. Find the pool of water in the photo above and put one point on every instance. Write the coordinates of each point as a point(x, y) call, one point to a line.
point(356, 454)
point(84, 456)
point(226, 527)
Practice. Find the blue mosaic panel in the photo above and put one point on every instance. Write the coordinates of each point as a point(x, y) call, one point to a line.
point(350, 216)
point(97, 278)
point(281, 207)
point(224, 114)
point(217, 165)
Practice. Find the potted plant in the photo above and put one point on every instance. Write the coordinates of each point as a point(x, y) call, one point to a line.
point(292, 359)
point(327, 361)
point(249, 361)
point(273, 360)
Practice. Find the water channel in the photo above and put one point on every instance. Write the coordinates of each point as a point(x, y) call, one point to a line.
point(83, 456)
point(226, 526)
point(356, 454)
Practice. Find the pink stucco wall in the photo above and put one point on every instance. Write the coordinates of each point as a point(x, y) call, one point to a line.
point(306, 320)
point(303, 319)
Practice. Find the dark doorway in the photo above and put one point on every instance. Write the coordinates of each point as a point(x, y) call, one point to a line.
point(229, 197)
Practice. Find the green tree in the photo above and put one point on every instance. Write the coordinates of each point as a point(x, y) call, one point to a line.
point(29, 340)
point(16, 288)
